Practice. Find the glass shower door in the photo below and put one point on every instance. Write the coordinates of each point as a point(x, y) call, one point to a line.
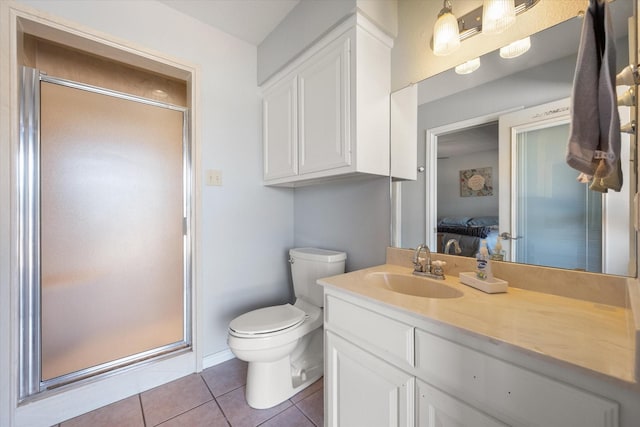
point(110, 251)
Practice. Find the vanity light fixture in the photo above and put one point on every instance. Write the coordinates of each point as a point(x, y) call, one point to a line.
point(472, 23)
point(446, 33)
point(497, 15)
point(515, 49)
point(468, 67)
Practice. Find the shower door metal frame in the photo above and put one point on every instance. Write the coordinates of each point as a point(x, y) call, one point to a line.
point(30, 373)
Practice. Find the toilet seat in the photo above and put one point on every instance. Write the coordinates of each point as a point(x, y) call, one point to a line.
point(267, 320)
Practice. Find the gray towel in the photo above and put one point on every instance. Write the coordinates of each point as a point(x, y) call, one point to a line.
point(608, 106)
point(594, 137)
point(611, 182)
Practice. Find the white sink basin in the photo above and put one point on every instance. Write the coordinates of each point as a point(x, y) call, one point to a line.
point(412, 285)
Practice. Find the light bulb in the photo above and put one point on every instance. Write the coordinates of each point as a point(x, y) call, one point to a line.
point(468, 67)
point(497, 15)
point(446, 35)
point(516, 48)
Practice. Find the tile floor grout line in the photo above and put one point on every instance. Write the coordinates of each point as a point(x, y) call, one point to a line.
point(222, 411)
point(195, 407)
point(304, 413)
point(275, 415)
point(185, 412)
point(215, 399)
point(144, 420)
point(190, 409)
point(230, 391)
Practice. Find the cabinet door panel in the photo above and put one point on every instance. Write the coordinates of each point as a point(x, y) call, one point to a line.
point(324, 110)
point(280, 121)
point(363, 390)
point(437, 409)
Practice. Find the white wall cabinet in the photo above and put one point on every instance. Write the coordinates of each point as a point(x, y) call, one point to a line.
point(327, 114)
point(370, 380)
point(280, 134)
point(324, 103)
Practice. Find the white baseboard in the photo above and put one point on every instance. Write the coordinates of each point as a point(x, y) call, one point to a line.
point(217, 358)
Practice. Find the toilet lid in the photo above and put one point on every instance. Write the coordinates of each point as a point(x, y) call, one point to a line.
point(268, 319)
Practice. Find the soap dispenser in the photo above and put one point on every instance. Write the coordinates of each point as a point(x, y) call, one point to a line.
point(483, 266)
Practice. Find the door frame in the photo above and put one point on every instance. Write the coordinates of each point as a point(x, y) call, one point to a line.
point(31, 381)
point(431, 162)
point(534, 118)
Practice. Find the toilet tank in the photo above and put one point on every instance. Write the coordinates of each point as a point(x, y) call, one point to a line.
point(311, 264)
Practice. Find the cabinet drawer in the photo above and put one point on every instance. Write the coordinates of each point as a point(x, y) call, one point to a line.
point(508, 392)
point(386, 336)
point(437, 409)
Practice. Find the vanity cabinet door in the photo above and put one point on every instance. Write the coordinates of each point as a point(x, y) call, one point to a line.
point(280, 130)
point(324, 109)
point(437, 409)
point(363, 390)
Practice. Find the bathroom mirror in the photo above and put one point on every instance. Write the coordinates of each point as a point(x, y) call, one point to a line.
point(491, 148)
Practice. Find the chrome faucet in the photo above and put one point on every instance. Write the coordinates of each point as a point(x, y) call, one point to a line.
point(424, 266)
point(418, 266)
point(456, 246)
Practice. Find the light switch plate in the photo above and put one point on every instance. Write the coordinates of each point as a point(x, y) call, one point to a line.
point(214, 177)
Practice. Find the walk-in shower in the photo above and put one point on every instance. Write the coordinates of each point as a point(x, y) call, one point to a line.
point(104, 228)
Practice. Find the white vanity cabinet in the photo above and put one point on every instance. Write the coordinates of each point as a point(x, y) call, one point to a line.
point(384, 367)
point(373, 393)
point(511, 393)
point(327, 114)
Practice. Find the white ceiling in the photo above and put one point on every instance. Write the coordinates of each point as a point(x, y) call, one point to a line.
point(249, 20)
point(469, 141)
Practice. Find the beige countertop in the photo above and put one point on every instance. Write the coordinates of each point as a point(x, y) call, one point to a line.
point(597, 337)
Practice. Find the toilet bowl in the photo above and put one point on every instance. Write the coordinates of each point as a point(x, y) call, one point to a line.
point(283, 344)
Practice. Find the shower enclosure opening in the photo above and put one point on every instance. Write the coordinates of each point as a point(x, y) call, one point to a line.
point(105, 230)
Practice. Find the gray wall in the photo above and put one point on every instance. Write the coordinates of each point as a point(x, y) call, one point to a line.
point(346, 215)
point(306, 22)
point(310, 20)
point(450, 203)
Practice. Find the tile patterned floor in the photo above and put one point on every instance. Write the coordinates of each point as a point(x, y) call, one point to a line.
point(213, 398)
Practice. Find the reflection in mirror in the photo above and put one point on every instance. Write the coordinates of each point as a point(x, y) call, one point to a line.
point(493, 146)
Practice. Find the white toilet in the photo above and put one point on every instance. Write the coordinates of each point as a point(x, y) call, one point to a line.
point(284, 344)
